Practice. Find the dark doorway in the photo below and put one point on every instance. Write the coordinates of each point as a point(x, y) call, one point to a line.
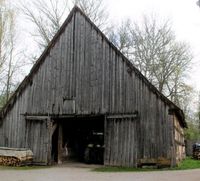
point(81, 140)
point(54, 148)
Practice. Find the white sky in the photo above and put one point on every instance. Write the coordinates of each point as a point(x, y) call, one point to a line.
point(185, 16)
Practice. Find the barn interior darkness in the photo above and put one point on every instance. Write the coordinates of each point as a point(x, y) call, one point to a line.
point(81, 140)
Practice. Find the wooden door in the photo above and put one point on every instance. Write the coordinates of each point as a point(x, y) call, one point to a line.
point(37, 139)
point(121, 143)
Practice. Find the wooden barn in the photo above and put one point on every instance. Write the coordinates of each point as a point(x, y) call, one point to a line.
point(82, 87)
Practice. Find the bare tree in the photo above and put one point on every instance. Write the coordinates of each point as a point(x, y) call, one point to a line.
point(6, 47)
point(48, 15)
point(158, 54)
point(154, 50)
point(3, 29)
point(122, 38)
point(9, 61)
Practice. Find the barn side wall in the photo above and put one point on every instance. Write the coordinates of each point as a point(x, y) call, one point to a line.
point(179, 140)
point(83, 74)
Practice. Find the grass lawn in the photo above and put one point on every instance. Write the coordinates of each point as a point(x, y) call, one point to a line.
point(186, 164)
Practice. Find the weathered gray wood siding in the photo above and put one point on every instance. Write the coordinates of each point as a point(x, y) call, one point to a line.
point(37, 139)
point(121, 140)
point(83, 74)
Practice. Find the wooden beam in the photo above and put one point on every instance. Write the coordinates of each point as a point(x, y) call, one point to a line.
point(122, 116)
point(37, 118)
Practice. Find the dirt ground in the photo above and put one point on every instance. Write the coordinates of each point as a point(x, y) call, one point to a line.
point(65, 173)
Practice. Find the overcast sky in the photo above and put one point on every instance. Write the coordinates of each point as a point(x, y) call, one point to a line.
point(185, 16)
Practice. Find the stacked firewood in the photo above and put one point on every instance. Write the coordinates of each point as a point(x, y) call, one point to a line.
point(196, 151)
point(15, 156)
point(9, 161)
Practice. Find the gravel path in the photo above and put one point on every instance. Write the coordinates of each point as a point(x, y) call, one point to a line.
point(85, 174)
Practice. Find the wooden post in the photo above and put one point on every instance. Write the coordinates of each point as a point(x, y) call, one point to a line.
point(60, 143)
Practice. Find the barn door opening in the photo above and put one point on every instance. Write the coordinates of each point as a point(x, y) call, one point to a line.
point(79, 139)
point(54, 143)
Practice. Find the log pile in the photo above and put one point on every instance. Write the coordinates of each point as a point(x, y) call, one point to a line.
point(196, 151)
point(9, 161)
point(15, 156)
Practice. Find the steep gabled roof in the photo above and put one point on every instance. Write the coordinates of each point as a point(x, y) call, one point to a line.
point(41, 59)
